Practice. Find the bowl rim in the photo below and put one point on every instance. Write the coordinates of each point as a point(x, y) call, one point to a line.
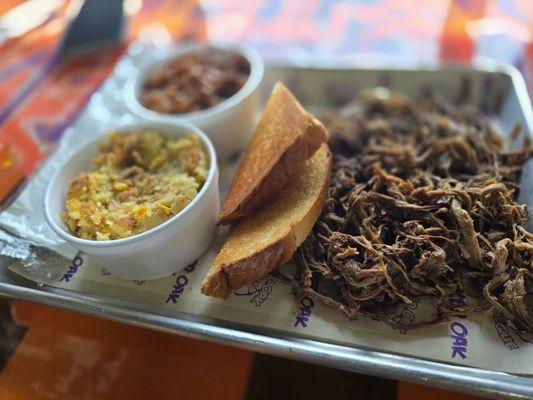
point(212, 176)
point(254, 79)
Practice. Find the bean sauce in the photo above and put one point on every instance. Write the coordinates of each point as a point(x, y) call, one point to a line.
point(195, 81)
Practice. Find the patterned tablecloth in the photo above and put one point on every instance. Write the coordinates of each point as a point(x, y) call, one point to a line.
point(39, 97)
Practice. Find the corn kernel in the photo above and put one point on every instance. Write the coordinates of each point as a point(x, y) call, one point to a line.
point(140, 212)
point(102, 236)
point(120, 186)
point(166, 209)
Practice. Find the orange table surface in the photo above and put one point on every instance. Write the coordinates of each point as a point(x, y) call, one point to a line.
point(69, 356)
point(64, 355)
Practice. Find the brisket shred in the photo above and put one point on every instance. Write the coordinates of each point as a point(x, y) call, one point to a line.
point(421, 208)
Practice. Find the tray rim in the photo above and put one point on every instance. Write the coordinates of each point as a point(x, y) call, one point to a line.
point(356, 359)
point(470, 380)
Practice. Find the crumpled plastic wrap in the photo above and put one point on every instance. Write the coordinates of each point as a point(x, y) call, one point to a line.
point(39, 263)
point(13, 247)
point(24, 217)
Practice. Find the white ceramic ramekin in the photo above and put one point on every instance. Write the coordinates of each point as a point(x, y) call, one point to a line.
point(231, 123)
point(159, 251)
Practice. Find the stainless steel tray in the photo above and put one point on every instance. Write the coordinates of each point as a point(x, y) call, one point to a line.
point(497, 89)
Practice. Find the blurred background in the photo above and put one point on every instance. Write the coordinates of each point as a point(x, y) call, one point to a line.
point(51, 354)
point(41, 93)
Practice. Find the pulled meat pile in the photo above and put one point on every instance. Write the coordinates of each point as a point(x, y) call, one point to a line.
point(421, 208)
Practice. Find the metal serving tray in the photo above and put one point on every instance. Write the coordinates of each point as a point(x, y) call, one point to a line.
point(498, 90)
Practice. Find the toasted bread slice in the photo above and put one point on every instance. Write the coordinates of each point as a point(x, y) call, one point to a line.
point(260, 243)
point(285, 137)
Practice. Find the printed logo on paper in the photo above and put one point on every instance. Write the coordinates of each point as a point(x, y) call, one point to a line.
point(406, 316)
point(181, 280)
point(72, 269)
point(259, 291)
point(306, 305)
point(505, 331)
point(459, 334)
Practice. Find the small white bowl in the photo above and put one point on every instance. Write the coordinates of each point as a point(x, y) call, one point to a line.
point(229, 124)
point(157, 252)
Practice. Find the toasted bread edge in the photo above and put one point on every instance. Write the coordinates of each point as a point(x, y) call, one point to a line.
point(286, 167)
point(248, 270)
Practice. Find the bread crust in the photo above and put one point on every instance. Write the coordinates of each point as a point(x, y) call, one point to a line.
point(249, 192)
point(223, 278)
point(216, 284)
point(228, 277)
